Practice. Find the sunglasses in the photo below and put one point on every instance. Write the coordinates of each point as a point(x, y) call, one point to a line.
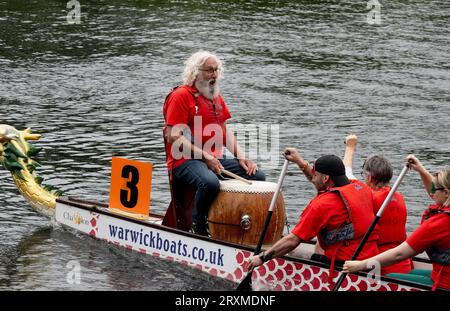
point(434, 189)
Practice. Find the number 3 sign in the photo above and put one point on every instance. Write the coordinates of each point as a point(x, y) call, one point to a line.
point(130, 186)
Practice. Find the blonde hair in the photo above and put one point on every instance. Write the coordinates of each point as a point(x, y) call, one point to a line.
point(442, 180)
point(193, 63)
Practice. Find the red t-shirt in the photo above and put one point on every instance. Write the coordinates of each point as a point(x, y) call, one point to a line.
point(206, 121)
point(327, 211)
point(434, 233)
point(391, 225)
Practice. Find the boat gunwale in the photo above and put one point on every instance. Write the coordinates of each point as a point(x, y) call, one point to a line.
point(93, 207)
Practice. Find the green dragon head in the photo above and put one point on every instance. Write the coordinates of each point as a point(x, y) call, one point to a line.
point(16, 155)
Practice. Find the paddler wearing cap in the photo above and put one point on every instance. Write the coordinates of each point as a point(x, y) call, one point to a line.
point(339, 215)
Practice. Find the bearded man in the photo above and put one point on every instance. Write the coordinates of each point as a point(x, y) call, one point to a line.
point(195, 131)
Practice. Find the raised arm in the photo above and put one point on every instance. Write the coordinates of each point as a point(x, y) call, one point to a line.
point(426, 177)
point(292, 155)
point(350, 147)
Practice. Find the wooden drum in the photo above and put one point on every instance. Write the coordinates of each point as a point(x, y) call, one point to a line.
point(239, 212)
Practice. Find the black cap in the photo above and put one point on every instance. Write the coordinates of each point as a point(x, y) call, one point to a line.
point(334, 167)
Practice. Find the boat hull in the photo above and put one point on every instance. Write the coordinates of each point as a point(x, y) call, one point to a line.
point(217, 258)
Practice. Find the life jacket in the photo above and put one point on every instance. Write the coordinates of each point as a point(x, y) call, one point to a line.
point(358, 204)
point(392, 227)
point(392, 224)
point(433, 210)
point(439, 256)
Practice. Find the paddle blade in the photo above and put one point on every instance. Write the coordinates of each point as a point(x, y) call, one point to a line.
point(339, 282)
point(246, 284)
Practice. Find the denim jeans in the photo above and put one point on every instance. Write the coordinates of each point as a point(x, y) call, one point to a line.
point(197, 174)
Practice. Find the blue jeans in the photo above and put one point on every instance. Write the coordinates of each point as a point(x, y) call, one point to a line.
point(197, 174)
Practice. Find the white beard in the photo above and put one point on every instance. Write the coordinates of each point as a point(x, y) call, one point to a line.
point(208, 90)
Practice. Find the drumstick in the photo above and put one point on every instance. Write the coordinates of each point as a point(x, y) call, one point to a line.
point(236, 177)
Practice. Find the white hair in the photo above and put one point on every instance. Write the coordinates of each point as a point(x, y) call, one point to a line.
point(192, 65)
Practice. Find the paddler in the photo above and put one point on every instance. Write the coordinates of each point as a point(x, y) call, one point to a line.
point(432, 236)
point(339, 215)
point(377, 173)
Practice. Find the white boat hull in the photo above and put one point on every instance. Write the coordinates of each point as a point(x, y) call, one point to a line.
point(217, 258)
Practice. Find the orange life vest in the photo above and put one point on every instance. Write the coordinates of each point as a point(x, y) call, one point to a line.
point(344, 240)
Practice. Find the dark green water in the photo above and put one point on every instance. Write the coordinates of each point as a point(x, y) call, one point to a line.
point(316, 69)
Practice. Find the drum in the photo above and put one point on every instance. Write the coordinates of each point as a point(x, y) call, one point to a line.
point(239, 212)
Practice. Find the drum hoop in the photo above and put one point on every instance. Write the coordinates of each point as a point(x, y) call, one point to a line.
point(235, 186)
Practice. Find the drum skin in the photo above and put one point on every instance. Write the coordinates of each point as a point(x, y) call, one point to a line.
point(230, 205)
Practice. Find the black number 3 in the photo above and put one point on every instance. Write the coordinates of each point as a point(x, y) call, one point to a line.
point(129, 197)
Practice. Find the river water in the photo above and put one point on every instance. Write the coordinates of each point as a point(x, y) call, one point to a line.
point(316, 69)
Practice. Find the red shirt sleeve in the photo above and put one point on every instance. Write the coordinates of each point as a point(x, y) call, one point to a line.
point(424, 237)
point(180, 106)
point(226, 113)
point(312, 221)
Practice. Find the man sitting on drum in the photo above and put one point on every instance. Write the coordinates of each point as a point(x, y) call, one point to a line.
point(339, 215)
point(195, 131)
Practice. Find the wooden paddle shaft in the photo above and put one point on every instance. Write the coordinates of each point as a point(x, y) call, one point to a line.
point(236, 177)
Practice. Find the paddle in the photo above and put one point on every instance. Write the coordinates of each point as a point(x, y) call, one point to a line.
point(373, 224)
point(246, 283)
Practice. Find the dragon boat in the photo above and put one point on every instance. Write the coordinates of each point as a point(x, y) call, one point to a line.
point(219, 256)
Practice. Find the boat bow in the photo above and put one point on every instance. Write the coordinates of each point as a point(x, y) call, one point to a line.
point(16, 155)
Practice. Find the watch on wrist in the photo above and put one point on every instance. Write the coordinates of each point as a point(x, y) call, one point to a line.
point(264, 257)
